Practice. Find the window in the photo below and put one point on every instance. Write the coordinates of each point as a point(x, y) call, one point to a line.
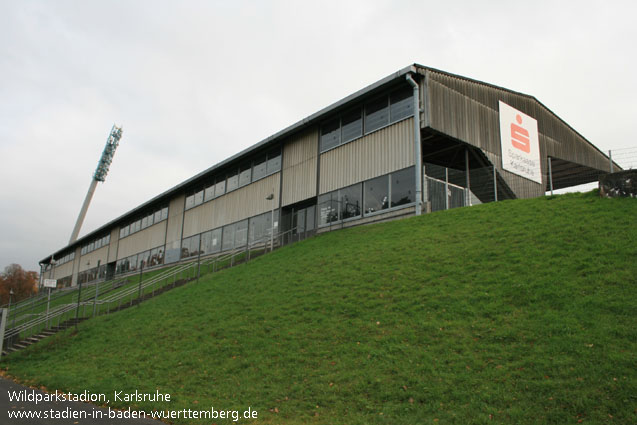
point(232, 181)
point(402, 187)
point(190, 201)
point(245, 173)
point(328, 208)
point(330, 135)
point(164, 213)
point(150, 219)
point(261, 226)
point(350, 198)
point(228, 237)
point(209, 192)
point(401, 104)
point(211, 241)
point(158, 216)
point(274, 161)
point(241, 234)
point(376, 114)
point(259, 169)
point(144, 222)
point(376, 194)
point(309, 216)
point(199, 197)
point(352, 125)
point(220, 187)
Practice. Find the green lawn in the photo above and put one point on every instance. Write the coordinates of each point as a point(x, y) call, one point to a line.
point(518, 312)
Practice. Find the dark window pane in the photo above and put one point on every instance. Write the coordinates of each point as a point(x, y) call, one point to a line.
point(259, 228)
point(194, 245)
point(190, 201)
point(220, 188)
point(153, 257)
point(330, 134)
point(402, 187)
point(241, 234)
point(199, 198)
point(209, 193)
point(259, 169)
point(350, 201)
point(244, 175)
point(228, 237)
point(274, 161)
point(352, 125)
point(401, 104)
point(160, 255)
point(212, 241)
point(232, 182)
point(376, 114)
point(376, 194)
point(310, 218)
point(328, 208)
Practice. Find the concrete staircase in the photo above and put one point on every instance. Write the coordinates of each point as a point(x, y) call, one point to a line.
point(44, 334)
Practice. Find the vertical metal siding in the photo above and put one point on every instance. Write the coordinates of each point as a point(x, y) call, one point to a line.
point(112, 252)
point(237, 205)
point(100, 255)
point(381, 152)
point(299, 167)
point(63, 270)
point(143, 240)
point(175, 220)
point(468, 111)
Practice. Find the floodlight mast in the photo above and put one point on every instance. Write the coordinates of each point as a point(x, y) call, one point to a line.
point(99, 176)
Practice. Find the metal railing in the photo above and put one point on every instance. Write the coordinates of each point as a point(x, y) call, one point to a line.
point(114, 296)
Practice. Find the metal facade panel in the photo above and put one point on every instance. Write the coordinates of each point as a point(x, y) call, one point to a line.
point(299, 167)
point(468, 110)
point(381, 152)
point(143, 240)
point(64, 270)
point(112, 252)
point(89, 261)
point(175, 220)
point(237, 205)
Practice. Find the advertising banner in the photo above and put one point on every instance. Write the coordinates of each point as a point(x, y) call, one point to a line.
point(520, 143)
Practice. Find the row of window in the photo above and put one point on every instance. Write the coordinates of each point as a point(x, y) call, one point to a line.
point(144, 222)
point(235, 235)
point(380, 193)
point(249, 172)
point(364, 119)
point(92, 274)
point(65, 259)
point(96, 244)
point(149, 258)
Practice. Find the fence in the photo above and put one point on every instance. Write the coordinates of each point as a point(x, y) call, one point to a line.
point(66, 308)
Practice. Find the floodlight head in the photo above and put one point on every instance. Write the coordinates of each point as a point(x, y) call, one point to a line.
point(107, 156)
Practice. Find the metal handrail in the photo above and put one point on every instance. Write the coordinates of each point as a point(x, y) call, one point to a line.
point(40, 319)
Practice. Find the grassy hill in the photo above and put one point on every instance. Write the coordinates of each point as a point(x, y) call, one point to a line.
point(518, 312)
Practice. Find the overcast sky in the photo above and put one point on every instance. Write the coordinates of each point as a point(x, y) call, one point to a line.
point(193, 82)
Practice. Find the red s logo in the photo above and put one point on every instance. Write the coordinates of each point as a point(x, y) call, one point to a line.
point(520, 136)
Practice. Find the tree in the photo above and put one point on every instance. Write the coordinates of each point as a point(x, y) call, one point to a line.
point(23, 283)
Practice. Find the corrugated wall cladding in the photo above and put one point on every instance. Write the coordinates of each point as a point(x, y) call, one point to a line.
point(64, 270)
point(141, 241)
point(112, 252)
point(381, 152)
point(299, 167)
point(175, 220)
point(242, 203)
point(92, 258)
point(468, 111)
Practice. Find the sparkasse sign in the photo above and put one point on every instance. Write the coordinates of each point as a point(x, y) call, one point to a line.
point(520, 143)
